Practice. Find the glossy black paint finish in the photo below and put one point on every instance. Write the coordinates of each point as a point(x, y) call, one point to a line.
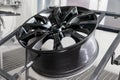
point(61, 22)
point(65, 20)
point(69, 63)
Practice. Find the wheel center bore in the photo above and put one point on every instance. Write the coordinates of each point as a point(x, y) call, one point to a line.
point(57, 29)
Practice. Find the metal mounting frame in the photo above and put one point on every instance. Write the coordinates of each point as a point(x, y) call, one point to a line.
point(101, 65)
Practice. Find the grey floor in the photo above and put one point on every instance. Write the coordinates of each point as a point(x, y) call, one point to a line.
point(13, 59)
point(106, 75)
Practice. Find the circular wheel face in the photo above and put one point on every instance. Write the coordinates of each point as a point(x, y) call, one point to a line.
point(59, 27)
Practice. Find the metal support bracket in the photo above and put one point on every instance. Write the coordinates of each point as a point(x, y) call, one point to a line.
point(9, 36)
point(117, 60)
point(107, 13)
point(101, 16)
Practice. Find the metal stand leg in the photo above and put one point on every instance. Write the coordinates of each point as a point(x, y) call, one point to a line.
point(27, 77)
point(119, 76)
point(1, 62)
point(26, 61)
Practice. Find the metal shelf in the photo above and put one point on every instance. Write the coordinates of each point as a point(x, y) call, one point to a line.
point(13, 6)
point(7, 13)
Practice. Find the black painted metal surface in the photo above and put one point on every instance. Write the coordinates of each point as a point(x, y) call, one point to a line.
point(57, 23)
